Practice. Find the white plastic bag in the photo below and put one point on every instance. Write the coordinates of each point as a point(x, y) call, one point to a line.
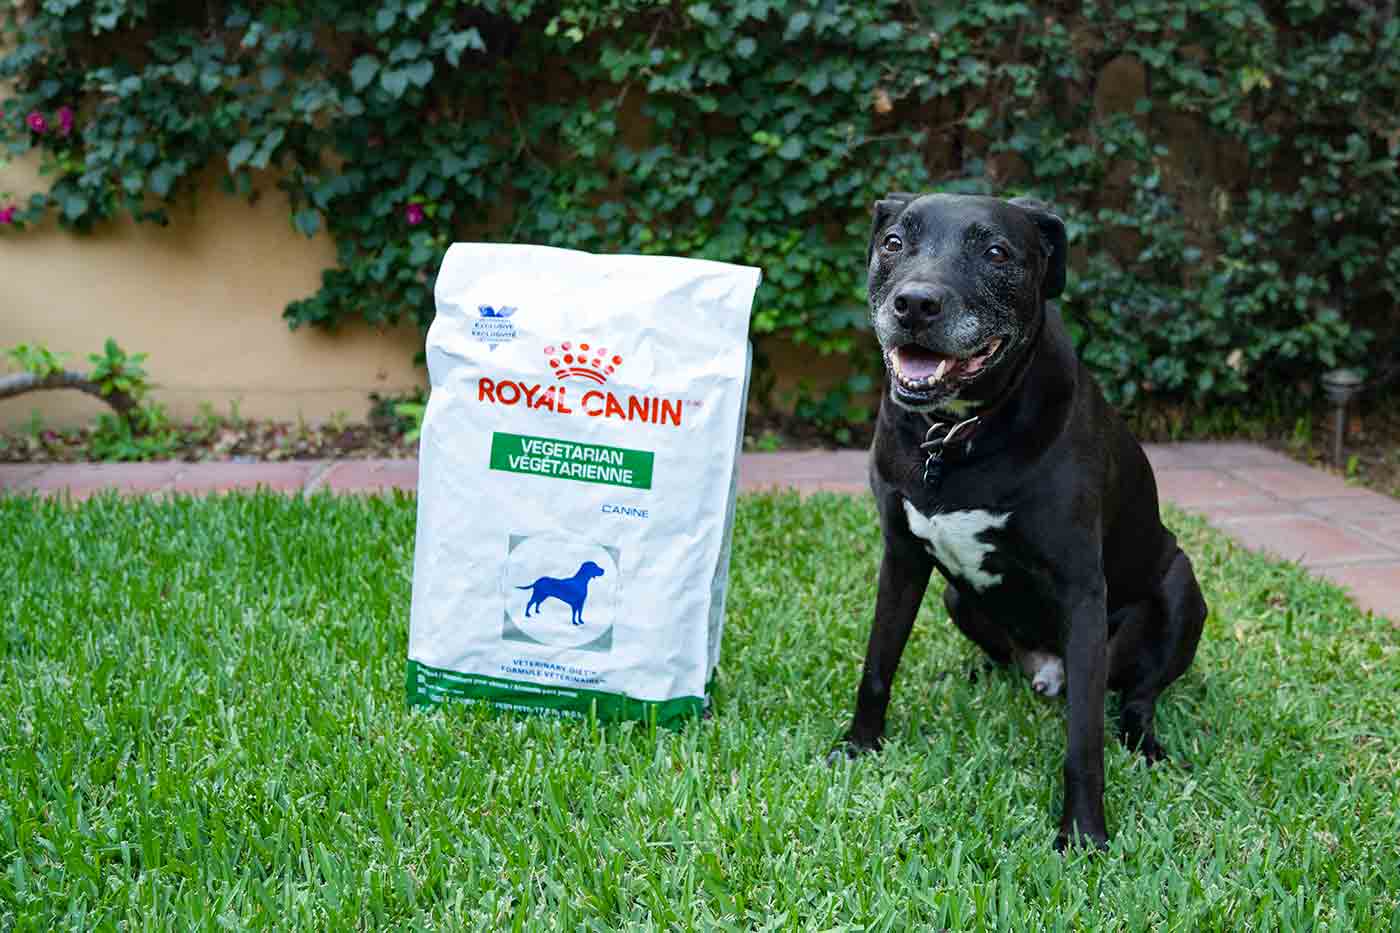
point(577, 474)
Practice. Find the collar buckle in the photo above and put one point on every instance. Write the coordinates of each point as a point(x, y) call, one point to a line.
point(949, 436)
point(933, 465)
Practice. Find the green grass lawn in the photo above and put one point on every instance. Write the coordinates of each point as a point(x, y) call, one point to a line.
point(202, 724)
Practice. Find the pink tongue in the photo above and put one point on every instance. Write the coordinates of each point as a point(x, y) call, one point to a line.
point(917, 363)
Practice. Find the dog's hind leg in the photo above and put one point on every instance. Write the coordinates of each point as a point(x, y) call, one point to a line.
point(976, 626)
point(1046, 670)
point(1153, 644)
point(1134, 670)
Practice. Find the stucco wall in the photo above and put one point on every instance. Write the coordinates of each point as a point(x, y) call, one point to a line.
point(204, 298)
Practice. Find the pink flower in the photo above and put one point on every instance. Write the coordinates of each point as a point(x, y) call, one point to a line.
point(413, 214)
point(7, 216)
point(36, 122)
point(65, 120)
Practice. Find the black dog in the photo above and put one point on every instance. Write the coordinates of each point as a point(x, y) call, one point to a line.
point(1000, 463)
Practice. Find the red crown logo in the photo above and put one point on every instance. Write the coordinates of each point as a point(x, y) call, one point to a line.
point(580, 360)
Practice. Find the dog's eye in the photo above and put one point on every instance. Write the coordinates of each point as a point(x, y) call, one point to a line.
point(892, 244)
point(997, 254)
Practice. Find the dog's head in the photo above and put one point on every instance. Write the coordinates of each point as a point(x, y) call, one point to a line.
point(958, 286)
point(589, 570)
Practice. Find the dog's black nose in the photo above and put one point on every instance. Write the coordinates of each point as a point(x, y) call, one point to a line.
point(918, 300)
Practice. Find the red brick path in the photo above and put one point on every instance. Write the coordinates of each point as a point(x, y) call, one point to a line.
point(1262, 499)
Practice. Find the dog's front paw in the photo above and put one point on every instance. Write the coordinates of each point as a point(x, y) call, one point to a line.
point(1153, 751)
point(851, 748)
point(1095, 840)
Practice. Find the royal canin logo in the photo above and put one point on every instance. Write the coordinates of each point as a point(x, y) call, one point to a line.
point(570, 361)
point(581, 361)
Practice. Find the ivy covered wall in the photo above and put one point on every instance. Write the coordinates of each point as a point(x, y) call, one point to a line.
point(1227, 169)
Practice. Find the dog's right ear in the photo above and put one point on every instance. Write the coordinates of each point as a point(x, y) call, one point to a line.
point(886, 210)
point(1053, 241)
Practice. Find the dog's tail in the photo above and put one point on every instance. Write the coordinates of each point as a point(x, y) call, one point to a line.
point(530, 587)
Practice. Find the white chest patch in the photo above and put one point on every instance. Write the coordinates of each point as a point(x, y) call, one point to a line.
point(952, 537)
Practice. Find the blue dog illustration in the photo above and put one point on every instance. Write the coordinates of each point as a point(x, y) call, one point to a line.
point(573, 591)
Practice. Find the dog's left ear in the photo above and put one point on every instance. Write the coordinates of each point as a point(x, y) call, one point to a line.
point(1052, 240)
point(886, 209)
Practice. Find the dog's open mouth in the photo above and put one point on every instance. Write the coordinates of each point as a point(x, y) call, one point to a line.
point(919, 370)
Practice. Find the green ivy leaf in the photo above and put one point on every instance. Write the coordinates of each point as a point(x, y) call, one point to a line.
point(394, 81)
point(240, 154)
point(163, 179)
point(790, 149)
point(795, 25)
point(308, 221)
point(815, 80)
point(269, 145)
point(420, 73)
point(406, 51)
point(363, 71)
point(458, 42)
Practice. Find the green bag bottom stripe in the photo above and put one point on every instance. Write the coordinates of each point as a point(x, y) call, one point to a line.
point(431, 686)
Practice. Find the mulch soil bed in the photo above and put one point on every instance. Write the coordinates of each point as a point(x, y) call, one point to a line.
point(247, 441)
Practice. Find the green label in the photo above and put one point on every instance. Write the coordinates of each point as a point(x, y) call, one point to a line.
point(587, 463)
point(430, 686)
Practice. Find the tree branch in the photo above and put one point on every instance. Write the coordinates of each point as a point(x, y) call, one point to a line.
point(122, 403)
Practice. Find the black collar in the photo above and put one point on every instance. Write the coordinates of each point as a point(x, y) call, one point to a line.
point(954, 441)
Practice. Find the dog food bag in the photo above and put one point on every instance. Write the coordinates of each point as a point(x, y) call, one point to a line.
point(577, 473)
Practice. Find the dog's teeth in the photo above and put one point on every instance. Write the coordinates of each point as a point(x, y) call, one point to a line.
point(942, 368)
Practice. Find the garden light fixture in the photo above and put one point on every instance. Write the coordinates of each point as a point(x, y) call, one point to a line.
point(1341, 386)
